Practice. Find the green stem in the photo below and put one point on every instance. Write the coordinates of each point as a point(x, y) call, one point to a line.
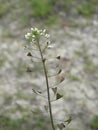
point(47, 84)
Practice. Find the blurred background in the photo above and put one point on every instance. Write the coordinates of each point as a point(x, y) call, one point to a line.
point(73, 27)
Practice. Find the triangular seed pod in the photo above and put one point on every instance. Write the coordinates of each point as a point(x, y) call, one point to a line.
point(29, 69)
point(54, 90)
point(36, 91)
point(47, 43)
point(44, 60)
point(59, 71)
point(58, 57)
point(62, 79)
point(29, 54)
point(58, 96)
point(61, 126)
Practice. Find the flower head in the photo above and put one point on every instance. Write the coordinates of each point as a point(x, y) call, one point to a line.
point(36, 33)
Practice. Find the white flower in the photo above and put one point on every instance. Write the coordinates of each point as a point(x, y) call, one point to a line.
point(44, 30)
point(27, 35)
point(36, 29)
point(47, 35)
point(32, 29)
point(41, 33)
point(33, 36)
point(51, 46)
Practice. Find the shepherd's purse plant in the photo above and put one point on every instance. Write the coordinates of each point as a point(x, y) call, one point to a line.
point(37, 49)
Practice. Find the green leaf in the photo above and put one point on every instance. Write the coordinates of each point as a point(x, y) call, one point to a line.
point(58, 96)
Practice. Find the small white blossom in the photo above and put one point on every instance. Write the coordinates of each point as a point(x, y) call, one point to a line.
point(51, 46)
point(36, 28)
point(41, 33)
point(44, 30)
point(32, 29)
point(27, 35)
point(33, 36)
point(47, 35)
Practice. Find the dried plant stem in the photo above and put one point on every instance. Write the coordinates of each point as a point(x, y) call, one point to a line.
point(47, 84)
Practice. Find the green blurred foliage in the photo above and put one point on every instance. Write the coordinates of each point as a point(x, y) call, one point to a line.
point(46, 7)
point(94, 123)
point(41, 8)
point(86, 9)
point(28, 122)
point(47, 10)
point(2, 10)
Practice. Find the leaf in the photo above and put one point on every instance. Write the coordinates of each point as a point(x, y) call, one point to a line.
point(54, 90)
point(68, 120)
point(61, 126)
point(58, 96)
point(29, 54)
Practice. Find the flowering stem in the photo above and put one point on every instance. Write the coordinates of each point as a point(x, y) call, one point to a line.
point(47, 84)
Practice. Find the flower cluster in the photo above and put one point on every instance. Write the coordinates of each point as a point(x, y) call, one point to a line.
point(36, 33)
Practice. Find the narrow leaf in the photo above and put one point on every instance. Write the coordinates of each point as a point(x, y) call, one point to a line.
point(58, 96)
